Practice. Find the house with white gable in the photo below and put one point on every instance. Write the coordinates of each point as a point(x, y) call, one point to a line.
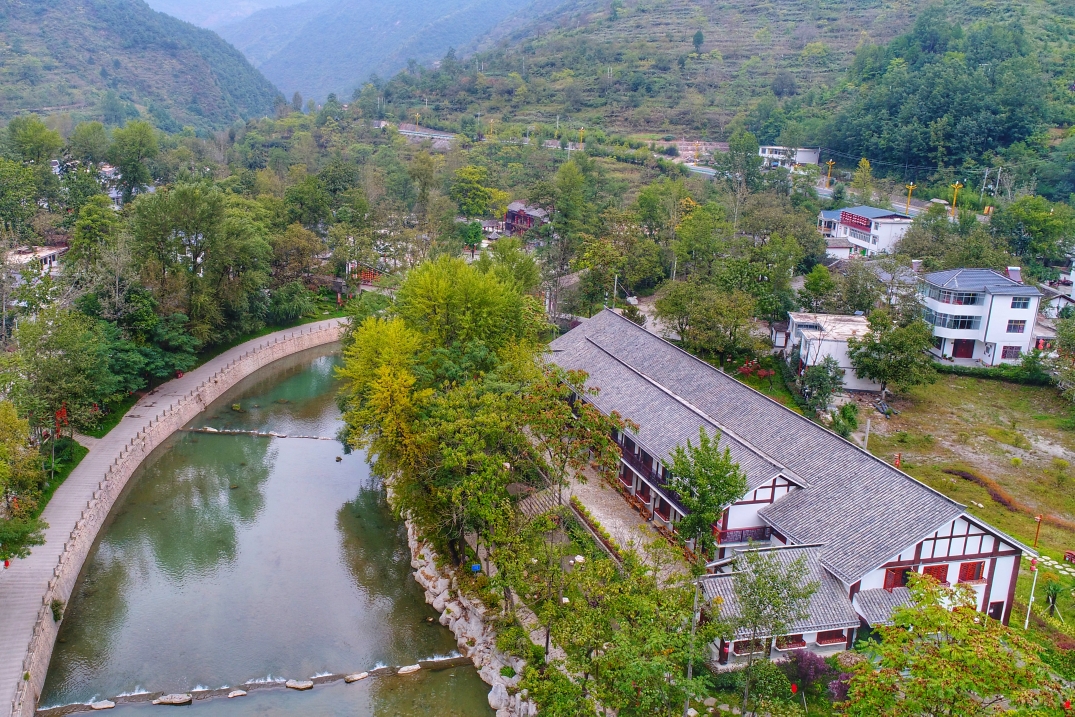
point(860, 524)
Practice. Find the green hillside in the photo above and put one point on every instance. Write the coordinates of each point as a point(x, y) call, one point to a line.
point(112, 59)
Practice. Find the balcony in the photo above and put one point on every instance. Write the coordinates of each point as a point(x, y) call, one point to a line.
point(744, 535)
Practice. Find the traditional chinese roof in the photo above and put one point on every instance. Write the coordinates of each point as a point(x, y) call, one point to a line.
point(876, 606)
point(829, 607)
point(860, 509)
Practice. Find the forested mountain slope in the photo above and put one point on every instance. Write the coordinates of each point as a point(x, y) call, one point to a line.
point(111, 58)
point(324, 46)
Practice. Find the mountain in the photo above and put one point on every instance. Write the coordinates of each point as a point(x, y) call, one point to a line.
point(323, 46)
point(117, 58)
point(213, 13)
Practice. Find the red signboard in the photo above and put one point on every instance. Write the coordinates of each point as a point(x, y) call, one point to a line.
point(854, 220)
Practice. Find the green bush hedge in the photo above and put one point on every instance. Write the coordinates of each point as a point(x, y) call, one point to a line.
point(1013, 373)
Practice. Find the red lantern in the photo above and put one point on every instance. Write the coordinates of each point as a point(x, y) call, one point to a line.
point(1067, 704)
point(794, 688)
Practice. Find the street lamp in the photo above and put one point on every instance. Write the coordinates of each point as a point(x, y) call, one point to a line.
point(955, 196)
point(910, 188)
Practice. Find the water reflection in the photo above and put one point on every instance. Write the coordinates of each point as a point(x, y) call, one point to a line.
point(231, 558)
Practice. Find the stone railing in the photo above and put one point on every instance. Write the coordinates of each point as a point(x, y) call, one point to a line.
point(152, 434)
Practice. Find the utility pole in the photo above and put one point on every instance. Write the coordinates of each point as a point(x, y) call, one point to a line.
point(985, 179)
point(828, 177)
point(910, 188)
point(1033, 585)
point(616, 287)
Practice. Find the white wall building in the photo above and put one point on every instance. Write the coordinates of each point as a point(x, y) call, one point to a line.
point(777, 156)
point(869, 230)
point(980, 314)
point(861, 525)
point(819, 336)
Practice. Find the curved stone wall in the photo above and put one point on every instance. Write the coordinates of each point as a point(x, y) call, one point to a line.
point(77, 547)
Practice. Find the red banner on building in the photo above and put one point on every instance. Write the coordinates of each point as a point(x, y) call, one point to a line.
point(854, 220)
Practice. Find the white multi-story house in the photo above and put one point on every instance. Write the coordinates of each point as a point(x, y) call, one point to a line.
point(980, 314)
point(860, 524)
point(869, 230)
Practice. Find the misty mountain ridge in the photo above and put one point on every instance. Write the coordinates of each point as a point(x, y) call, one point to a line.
point(332, 46)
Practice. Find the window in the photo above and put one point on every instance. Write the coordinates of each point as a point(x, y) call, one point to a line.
point(1010, 352)
point(937, 572)
point(947, 321)
point(745, 647)
point(1016, 326)
point(961, 298)
point(895, 578)
point(831, 637)
point(1021, 302)
point(938, 343)
point(971, 572)
point(790, 642)
point(861, 236)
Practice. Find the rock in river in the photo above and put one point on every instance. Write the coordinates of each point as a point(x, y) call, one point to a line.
point(299, 684)
point(176, 699)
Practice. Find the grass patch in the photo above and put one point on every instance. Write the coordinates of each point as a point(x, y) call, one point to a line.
point(1008, 436)
point(116, 412)
point(69, 453)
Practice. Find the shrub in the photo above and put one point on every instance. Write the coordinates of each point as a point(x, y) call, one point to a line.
point(57, 605)
point(730, 681)
point(808, 668)
point(838, 687)
point(768, 681)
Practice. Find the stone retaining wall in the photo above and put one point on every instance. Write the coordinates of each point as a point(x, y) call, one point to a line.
point(465, 617)
point(151, 435)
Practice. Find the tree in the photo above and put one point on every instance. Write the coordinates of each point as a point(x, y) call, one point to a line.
point(707, 481)
point(32, 140)
point(819, 288)
point(1036, 228)
point(94, 230)
point(821, 382)
point(89, 143)
point(940, 656)
point(740, 167)
point(699, 38)
point(131, 147)
point(470, 193)
point(296, 101)
point(723, 323)
point(860, 288)
point(771, 595)
point(862, 181)
point(308, 203)
point(294, 254)
point(676, 307)
point(784, 85)
point(21, 478)
point(892, 355)
point(568, 432)
point(17, 193)
point(61, 362)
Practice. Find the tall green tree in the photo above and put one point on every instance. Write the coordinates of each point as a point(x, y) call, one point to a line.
point(940, 656)
point(89, 143)
point(33, 140)
point(707, 480)
point(895, 356)
point(132, 147)
point(21, 478)
point(17, 193)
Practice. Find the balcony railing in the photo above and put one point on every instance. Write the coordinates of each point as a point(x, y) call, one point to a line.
point(743, 535)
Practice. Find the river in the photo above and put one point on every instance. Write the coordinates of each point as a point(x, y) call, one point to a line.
point(233, 558)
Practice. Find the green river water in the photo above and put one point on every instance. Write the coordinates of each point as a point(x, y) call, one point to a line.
point(233, 558)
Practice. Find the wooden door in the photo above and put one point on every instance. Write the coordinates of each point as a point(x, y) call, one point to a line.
point(963, 348)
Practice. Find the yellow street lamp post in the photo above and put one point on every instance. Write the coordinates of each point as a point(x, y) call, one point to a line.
point(910, 188)
point(955, 197)
point(828, 177)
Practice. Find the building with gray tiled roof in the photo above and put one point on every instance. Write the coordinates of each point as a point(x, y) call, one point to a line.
point(870, 522)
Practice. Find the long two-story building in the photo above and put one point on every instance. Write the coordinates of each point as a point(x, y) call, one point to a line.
point(860, 524)
point(868, 230)
point(980, 314)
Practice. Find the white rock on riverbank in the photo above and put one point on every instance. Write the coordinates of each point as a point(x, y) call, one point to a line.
point(466, 619)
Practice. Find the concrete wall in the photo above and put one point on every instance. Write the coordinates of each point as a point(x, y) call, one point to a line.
point(77, 547)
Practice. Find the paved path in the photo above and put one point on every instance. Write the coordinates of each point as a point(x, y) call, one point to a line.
point(626, 526)
point(26, 581)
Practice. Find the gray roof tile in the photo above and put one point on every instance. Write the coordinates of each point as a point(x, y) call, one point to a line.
point(829, 607)
point(863, 510)
point(876, 605)
point(985, 280)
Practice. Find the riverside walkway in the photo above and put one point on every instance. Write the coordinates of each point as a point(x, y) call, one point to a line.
point(80, 505)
